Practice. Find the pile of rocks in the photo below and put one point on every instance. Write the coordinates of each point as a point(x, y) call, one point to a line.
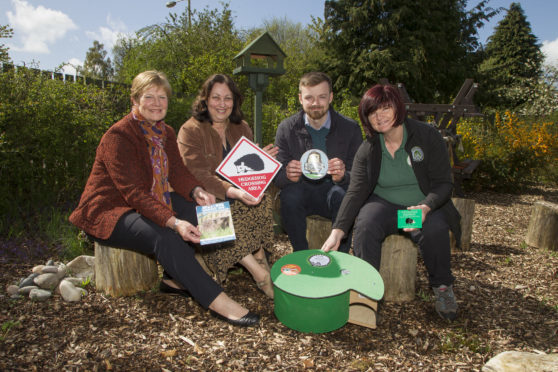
point(56, 277)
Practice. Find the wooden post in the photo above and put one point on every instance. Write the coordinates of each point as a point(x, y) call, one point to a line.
point(466, 208)
point(543, 226)
point(398, 268)
point(317, 231)
point(122, 272)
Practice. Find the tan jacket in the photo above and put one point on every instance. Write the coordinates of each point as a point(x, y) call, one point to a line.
point(202, 151)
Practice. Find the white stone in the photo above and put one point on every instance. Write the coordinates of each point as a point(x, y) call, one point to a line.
point(47, 281)
point(69, 292)
point(38, 269)
point(39, 294)
point(25, 290)
point(517, 361)
point(61, 271)
point(12, 289)
point(75, 281)
point(82, 267)
point(49, 269)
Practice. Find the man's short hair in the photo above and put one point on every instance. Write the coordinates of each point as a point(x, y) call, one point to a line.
point(311, 79)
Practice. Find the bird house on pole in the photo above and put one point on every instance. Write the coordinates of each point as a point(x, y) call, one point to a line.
point(259, 60)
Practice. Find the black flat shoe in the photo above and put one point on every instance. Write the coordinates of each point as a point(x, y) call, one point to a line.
point(167, 289)
point(247, 320)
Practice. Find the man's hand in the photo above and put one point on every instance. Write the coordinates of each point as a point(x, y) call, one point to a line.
point(336, 168)
point(425, 210)
point(202, 197)
point(294, 170)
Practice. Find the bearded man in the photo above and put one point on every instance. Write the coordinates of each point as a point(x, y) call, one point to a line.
point(316, 126)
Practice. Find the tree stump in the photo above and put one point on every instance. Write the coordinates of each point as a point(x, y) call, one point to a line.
point(317, 231)
point(398, 268)
point(122, 272)
point(466, 208)
point(543, 226)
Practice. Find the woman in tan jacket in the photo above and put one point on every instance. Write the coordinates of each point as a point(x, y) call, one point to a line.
point(203, 141)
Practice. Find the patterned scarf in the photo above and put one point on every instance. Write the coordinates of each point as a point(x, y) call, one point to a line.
point(154, 136)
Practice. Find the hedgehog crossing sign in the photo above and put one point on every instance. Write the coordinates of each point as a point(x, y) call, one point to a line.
point(248, 167)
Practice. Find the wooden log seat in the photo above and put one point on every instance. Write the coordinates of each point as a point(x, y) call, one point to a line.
point(122, 272)
point(543, 226)
point(398, 268)
point(317, 231)
point(466, 208)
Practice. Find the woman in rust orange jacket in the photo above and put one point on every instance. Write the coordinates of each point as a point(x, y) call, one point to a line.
point(140, 196)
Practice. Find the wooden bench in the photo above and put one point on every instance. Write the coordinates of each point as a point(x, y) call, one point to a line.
point(462, 171)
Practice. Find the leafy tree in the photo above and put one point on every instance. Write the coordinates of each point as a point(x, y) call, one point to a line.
point(424, 44)
point(187, 53)
point(513, 59)
point(5, 33)
point(97, 65)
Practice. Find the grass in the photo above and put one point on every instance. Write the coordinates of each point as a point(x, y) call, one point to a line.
point(59, 231)
point(455, 340)
point(5, 328)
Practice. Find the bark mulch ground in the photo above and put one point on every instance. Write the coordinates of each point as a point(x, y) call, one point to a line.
point(507, 293)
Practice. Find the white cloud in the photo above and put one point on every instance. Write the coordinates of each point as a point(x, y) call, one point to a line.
point(108, 35)
point(70, 67)
point(37, 27)
point(550, 50)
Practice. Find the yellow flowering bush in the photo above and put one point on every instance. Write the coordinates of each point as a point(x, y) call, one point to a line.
point(513, 149)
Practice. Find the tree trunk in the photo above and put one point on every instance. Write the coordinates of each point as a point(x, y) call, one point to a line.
point(466, 208)
point(543, 226)
point(398, 268)
point(317, 231)
point(122, 272)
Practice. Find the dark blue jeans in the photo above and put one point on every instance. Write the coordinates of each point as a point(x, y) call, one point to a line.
point(140, 234)
point(302, 199)
point(378, 218)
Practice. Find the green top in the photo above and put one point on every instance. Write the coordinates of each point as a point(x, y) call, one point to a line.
point(317, 274)
point(397, 182)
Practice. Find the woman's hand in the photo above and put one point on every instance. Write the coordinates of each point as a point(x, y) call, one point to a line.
point(271, 150)
point(425, 210)
point(185, 229)
point(243, 196)
point(202, 197)
point(333, 240)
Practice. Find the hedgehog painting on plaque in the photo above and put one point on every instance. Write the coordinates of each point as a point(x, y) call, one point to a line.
point(215, 223)
point(248, 167)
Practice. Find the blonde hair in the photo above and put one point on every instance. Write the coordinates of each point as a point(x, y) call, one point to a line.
point(147, 79)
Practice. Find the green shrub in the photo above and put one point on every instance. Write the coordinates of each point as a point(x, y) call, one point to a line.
point(49, 131)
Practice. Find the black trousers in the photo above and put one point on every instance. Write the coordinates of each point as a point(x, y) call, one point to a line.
point(378, 218)
point(302, 199)
point(139, 234)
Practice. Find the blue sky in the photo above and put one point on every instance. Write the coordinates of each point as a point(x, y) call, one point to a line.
point(52, 32)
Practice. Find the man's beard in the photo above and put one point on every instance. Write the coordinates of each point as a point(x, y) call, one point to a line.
point(316, 114)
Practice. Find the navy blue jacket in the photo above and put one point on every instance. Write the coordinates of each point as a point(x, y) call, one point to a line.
point(293, 140)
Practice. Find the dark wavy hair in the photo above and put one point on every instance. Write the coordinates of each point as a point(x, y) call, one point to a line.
point(199, 107)
point(376, 97)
